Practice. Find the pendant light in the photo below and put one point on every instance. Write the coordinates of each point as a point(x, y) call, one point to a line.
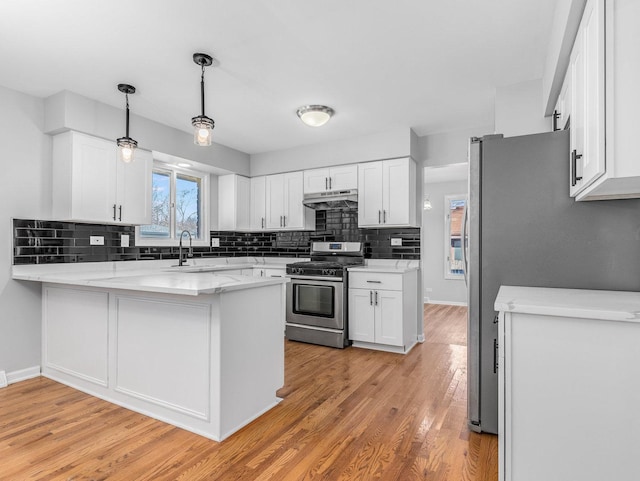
point(202, 124)
point(126, 145)
point(315, 115)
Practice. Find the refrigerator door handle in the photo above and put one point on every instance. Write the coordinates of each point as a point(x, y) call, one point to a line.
point(464, 242)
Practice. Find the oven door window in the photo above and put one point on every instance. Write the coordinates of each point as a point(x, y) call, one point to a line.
point(313, 300)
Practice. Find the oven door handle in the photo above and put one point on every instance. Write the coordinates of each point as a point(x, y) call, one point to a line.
point(311, 280)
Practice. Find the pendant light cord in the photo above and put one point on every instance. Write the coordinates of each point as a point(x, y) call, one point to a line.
point(202, 89)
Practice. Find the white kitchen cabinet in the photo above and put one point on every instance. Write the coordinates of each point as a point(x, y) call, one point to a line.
point(91, 185)
point(234, 202)
point(284, 208)
point(269, 272)
point(333, 178)
point(387, 193)
point(258, 210)
point(563, 105)
point(382, 310)
point(604, 99)
point(568, 365)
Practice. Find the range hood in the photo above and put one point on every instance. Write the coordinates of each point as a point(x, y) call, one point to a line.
point(335, 199)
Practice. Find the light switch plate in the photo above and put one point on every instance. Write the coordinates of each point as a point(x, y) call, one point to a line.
point(96, 240)
point(396, 241)
point(124, 240)
point(215, 242)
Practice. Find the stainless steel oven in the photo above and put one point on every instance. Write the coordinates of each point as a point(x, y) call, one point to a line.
point(316, 302)
point(317, 294)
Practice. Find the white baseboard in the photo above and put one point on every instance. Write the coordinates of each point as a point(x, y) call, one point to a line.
point(446, 303)
point(23, 374)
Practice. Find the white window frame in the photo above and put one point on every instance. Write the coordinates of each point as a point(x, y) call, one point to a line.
point(447, 234)
point(205, 206)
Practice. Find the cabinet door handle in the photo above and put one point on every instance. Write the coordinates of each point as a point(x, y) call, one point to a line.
point(326, 183)
point(376, 298)
point(284, 221)
point(574, 165)
point(280, 221)
point(262, 221)
point(556, 116)
point(330, 183)
point(114, 212)
point(374, 282)
point(384, 216)
point(371, 298)
point(495, 356)
point(120, 213)
point(379, 217)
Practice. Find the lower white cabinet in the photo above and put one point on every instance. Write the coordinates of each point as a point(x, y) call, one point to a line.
point(382, 310)
point(568, 366)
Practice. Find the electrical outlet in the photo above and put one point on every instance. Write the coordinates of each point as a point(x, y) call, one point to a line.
point(396, 241)
point(96, 240)
point(124, 240)
point(215, 242)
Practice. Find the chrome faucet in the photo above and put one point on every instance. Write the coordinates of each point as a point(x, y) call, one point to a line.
point(181, 262)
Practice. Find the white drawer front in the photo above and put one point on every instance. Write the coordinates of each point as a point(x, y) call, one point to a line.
point(375, 280)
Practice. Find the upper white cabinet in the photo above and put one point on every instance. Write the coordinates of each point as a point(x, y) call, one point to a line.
point(387, 193)
point(284, 208)
point(91, 185)
point(602, 81)
point(234, 202)
point(258, 210)
point(333, 178)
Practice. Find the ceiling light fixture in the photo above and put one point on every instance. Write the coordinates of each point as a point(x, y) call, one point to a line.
point(126, 145)
point(202, 124)
point(315, 115)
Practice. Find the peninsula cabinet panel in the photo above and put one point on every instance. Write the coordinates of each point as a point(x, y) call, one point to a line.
point(75, 333)
point(152, 366)
point(91, 185)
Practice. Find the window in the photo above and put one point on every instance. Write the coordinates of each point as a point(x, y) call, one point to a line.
point(453, 226)
point(178, 203)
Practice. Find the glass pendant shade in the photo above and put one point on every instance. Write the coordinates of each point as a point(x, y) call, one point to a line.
point(126, 149)
point(427, 204)
point(202, 130)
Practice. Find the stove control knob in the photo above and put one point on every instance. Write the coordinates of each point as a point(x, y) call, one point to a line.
point(329, 272)
point(298, 270)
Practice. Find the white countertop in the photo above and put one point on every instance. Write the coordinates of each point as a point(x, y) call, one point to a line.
point(189, 280)
point(383, 269)
point(582, 303)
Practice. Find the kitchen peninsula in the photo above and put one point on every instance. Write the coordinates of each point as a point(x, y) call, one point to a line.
point(200, 348)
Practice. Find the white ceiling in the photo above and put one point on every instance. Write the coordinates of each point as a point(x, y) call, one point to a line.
point(431, 65)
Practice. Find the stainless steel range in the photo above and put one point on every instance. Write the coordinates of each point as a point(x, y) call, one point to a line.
point(317, 294)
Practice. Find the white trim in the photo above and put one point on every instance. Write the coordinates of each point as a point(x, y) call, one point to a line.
point(23, 374)
point(445, 303)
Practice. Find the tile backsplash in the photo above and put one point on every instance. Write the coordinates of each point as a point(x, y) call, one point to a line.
point(48, 242)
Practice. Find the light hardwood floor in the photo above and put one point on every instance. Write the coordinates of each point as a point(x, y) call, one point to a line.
point(346, 415)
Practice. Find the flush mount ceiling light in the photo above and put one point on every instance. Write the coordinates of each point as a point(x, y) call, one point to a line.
point(126, 145)
point(202, 124)
point(315, 115)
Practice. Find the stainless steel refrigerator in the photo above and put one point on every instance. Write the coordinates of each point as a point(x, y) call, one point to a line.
point(523, 229)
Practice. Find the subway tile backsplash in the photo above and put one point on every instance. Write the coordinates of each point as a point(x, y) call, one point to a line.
point(48, 242)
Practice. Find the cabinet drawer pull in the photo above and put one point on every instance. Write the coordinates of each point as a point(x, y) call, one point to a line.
point(574, 165)
point(374, 282)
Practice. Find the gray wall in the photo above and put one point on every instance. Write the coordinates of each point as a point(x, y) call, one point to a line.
point(384, 145)
point(26, 192)
point(448, 147)
point(70, 111)
point(433, 246)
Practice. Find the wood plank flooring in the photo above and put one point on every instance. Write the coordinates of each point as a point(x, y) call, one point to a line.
point(346, 415)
